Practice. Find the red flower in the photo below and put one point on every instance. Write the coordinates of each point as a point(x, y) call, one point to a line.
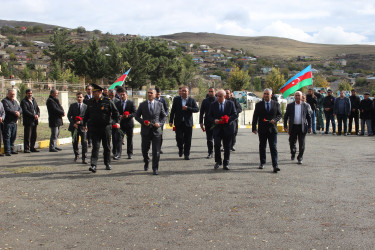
point(203, 130)
point(78, 118)
point(114, 126)
point(221, 122)
point(174, 128)
point(126, 113)
point(147, 122)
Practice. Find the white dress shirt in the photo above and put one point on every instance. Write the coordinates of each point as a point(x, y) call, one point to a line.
point(298, 114)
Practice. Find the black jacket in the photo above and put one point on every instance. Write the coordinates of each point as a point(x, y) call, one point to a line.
point(366, 109)
point(313, 101)
point(55, 112)
point(289, 116)
point(101, 113)
point(75, 111)
point(205, 108)
point(10, 108)
point(355, 102)
point(329, 102)
point(29, 110)
point(229, 110)
point(260, 113)
point(130, 107)
point(179, 116)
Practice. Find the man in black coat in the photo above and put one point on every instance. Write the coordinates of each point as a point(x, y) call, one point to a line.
point(206, 123)
point(166, 109)
point(298, 117)
point(223, 130)
point(126, 125)
point(328, 105)
point(31, 114)
point(366, 107)
point(88, 96)
point(355, 101)
point(312, 99)
point(151, 115)
point(182, 117)
point(2, 117)
point(55, 115)
point(101, 114)
point(12, 113)
point(266, 115)
point(78, 110)
point(239, 110)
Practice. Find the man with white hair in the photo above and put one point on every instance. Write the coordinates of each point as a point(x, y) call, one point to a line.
point(298, 117)
point(266, 115)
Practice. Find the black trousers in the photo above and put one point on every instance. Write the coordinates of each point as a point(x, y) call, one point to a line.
point(330, 118)
point(83, 136)
point(227, 143)
point(272, 141)
point(117, 139)
point(183, 135)
point(341, 119)
point(235, 133)
point(29, 138)
point(355, 116)
point(209, 137)
point(103, 135)
point(295, 134)
point(146, 143)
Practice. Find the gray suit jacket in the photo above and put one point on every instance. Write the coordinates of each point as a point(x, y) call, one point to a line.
point(306, 116)
point(159, 116)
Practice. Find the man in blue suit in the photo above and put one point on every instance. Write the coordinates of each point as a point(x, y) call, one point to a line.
point(222, 132)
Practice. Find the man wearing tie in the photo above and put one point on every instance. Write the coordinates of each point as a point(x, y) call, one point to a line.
point(298, 117)
point(222, 132)
point(126, 125)
point(266, 115)
point(182, 117)
point(31, 113)
point(76, 127)
point(166, 109)
point(151, 115)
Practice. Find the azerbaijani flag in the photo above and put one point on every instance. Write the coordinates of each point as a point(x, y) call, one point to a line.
point(302, 79)
point(120, 80)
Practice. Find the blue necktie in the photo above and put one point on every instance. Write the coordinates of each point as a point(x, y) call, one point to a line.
point(221, 108)
point(268, 107)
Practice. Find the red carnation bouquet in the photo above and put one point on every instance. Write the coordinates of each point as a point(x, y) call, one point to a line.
point(126, 113)
point(78, 118)
point(75, 132)
point(223, 120)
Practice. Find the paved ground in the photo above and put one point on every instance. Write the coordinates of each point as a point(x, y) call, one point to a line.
point(47, 201)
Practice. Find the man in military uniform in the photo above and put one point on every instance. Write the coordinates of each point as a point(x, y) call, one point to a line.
point(100, 115)
point(238, 110)
point(320, 110)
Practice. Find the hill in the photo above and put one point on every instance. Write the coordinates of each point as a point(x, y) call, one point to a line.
point(271, 46)
point(13, 23)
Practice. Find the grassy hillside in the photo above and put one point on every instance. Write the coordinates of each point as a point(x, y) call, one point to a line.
point(25, 24)
point(271, 46)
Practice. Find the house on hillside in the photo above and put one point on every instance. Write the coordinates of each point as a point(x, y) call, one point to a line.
point(203, 47)
point(341, 62)
point(266, 70)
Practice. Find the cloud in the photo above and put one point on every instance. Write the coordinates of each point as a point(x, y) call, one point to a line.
point(337, 35)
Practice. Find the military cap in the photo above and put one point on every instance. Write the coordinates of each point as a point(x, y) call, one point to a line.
point(96, 87)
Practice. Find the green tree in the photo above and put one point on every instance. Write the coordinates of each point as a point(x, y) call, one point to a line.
point(361, 81)
point(275, 80)
point(345, 85)
point(61, 49)
point(55, 73)
point(320, 81)
point(5, 70)
point(79, 63)
point(96, 61)
point(257, 83)
point(69, 76)
point(81, 30)
point(115, 62)
point(26, 74)
point(238, 79)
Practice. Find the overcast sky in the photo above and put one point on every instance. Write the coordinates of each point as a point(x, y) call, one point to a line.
point(319, 21)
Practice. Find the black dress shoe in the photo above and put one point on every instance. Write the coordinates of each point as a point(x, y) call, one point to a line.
point(209, 156)
point(233, 149)
point(293, 157)
point(261, 166)
point(180, 154)
point(116, 158)
point(277, 169)
point(146, 166)
point(7, 154)
point(226, 167)
point(187, 157)
point(14, 153)
point(59, 149)
point(84, 161)
point(217, 165)
point(155, 172)
point(108, 167)
point(34, 150)
point(299, 161)
point(93, 169)
point(76, 158)
point(130, 156)
point(53, 150)
point(27, 151)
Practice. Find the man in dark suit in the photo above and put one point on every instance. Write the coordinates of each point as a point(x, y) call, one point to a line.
point(222, 132)
point(55, 115)
point(266, 114)
point(328, 105)
point(298, 117)
point(151, 115)
point(239, 110)
point(182, 117)
point(2, 117)
point(166, 109)
point(126, 125)
point(31, 113)
point(205, 122)
point(88, 96)
point(76, 127)
point(355, 102)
